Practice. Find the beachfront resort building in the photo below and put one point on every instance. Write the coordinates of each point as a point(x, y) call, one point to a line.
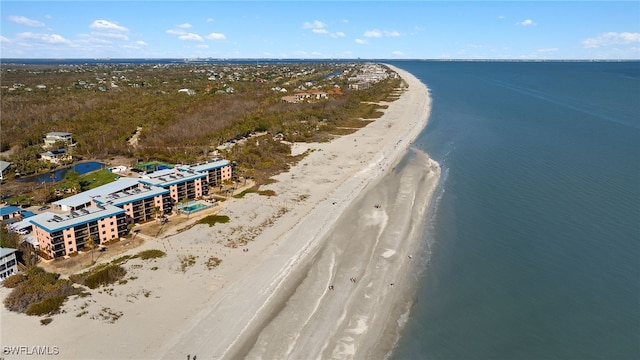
point(217, 172)
point(60, 235)
point(182, 184)
point(103, 213)
point(54, 137)
point(140, 204)
point(8, 263)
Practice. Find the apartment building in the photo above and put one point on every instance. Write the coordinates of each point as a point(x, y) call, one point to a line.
point(60, 235)
point(140, 204)
point(182, 184)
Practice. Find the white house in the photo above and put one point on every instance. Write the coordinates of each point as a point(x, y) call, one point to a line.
point(56, 156)
point(8, 262)
point(53, 137)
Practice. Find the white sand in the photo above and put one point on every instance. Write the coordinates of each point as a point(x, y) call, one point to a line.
point(271, 301)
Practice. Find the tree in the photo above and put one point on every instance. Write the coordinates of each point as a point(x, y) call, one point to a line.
point(91, 243)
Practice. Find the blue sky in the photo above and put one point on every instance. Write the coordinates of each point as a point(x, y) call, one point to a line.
point(321, 29)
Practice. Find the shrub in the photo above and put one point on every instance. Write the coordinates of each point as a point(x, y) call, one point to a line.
point(32, 294)
point(13, 280)
point(213, 262)
point(105, 276)
point(214, 219)
point(151, 254)
point(48, 306)
point(46, 321)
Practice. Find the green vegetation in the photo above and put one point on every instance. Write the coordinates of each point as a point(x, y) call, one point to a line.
point(39, 293)
point(102, 275)
point(151, 254)
point(214, 219)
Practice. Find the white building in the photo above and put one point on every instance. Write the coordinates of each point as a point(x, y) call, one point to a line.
point(8, 262)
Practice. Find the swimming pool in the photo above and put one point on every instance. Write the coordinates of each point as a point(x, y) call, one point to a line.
point(193, 208)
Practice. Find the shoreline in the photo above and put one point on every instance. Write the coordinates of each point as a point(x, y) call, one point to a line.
point(221, 312)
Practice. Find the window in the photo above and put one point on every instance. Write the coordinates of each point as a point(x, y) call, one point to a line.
point(68, 235)
point(69, 243)
point(104, 232)
point(103, 225)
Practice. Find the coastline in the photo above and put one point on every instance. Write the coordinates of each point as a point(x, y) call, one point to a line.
point(224, 312)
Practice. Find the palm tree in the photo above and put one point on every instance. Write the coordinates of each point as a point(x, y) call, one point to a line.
point(90, 243)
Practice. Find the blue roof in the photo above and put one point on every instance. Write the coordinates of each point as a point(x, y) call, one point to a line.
point(6, 210)
point(53, 222)
point(27, 213)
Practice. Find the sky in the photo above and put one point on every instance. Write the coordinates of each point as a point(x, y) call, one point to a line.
point(321, 29)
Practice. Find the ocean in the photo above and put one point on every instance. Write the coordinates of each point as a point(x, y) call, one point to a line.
point(532, 246)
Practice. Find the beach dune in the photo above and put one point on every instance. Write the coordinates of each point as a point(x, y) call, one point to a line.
point(326, 273)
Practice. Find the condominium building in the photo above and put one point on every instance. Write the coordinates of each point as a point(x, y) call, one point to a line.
point(182, 184)
point(140, 204)
point(217, 171)
point(60, 235)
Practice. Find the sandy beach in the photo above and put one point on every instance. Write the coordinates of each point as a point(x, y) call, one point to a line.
point(326, 271)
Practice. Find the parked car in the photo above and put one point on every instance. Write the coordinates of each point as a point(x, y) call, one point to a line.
point(43, 208)
point(24, 231)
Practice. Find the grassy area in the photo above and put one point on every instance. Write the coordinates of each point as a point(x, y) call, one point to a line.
point(97, 178)
point(151, 254)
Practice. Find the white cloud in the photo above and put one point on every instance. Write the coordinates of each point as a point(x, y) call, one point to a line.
point(501, 17)
point(190, 37)
point(319, 31)
point(107, 25)
point(26, 21)
point(185, 26)
point(4, 39)
point(216, 36)
point(527, 22)
point(45, 38)
point(392, 33)
point(338, 34)
point(612, 38)
point(372, 33)
point(141, 43)
point(111, 35)
point(397, 53)
point(315, 25)
point(548, 50)
point(361, 41)
point(175, 32)
point(209, 20)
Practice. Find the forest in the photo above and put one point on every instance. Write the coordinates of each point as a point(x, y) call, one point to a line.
point(104, 105)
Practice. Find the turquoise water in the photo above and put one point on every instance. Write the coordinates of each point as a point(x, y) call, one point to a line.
point(193, 208)
point(533, 244)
